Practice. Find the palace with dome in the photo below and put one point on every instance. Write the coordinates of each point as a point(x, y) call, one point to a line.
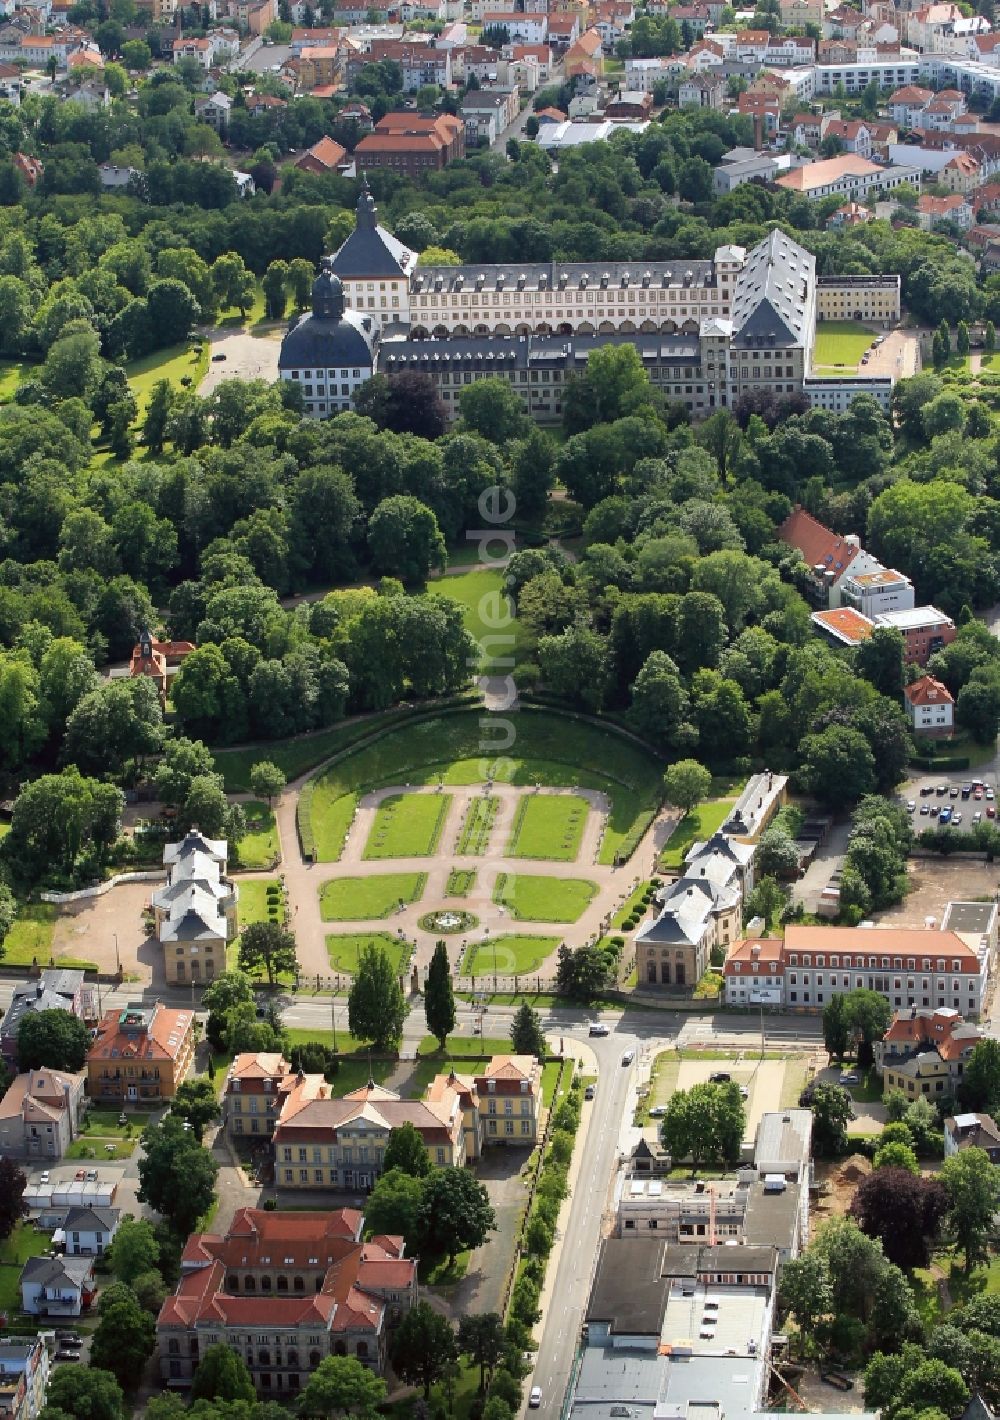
point(706, 331)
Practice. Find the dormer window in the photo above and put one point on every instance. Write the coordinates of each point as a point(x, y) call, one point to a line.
point(491, 1086)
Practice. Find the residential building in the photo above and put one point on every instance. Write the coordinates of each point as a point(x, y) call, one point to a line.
point(24, 1375)
point(703, 91)
point(925, 1052)
point(909, 966)
point(847, 176)
point(286, 1290)
point(87, 1232)
point(410, 144)
point(972, 1131)
point(851, 214)
point(796, 14)
point(440, 1091)
point(629, 103)
point(876, 592)
point(330, 351)
point(953, 210)
point(214, 109)
point(510, 1100)
point(196, 913)
point(854, 76)
point(762, 797)
point(56, 989)
point(160, 660)
point(253, 1093)
point(57, 1286)
point(930, 706)
point(325, 156)
point(116, 179)
point(853, 133)
point(199, 49)
point(829, 556)
point(140, 1054)
point(924, 630)
point(843, 625)
point(977, 923)
point(40, 1114)
point(521, 27)
point(10, 85)
point(487, 112)
point(838, 394)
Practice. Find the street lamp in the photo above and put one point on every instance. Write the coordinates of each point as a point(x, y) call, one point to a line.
point(333, 1013)
point(118, 960)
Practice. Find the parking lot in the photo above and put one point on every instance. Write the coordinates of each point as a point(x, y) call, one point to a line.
point(959, 804)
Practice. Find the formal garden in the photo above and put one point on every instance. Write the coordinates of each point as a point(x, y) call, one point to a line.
point(532, 897)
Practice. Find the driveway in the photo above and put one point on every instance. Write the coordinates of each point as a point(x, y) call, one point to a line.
point(481, 1289)
point(829, 857)
point(249, 356)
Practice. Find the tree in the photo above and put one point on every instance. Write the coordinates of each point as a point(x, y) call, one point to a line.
point(375, 1006)
point(493, 409)
point(135, 1250)
point(776, 853)
point(86, 1394)
point(806, 1293)
point(58, 816)
point(526, 1035)
point(972, 1182)
point(581, 973)
point(424, 1345)
point(52, 1040)
point(176, 1175)
point(980, 1086)
point(234, 284)
point(404, 539)
point(896, 1155)
point(704, 1123)
point(455, 1213)
point(222, 1375)
point(439, 996)
point(13, 1182)
point(836, 1027)
point(341, 1386)
point(229, 990)
point(269, 945)
point(267, 780)
point(832, 1112)
point(686, 783)
point(880, 660)
point(837, 765)
point(183, 761)
point(137, 54)
point(977, 708)
point(125, 1336)
point(962, 343)
point(869, 1016)
point(989, 338)
point(154, 429)
point(407, 1152)
point(275, 295)
point(481, 1337)
point(393, 1207)
point(196, 1103)
point(903, 1211)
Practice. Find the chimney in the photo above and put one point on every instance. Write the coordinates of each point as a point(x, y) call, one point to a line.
point(758, 132)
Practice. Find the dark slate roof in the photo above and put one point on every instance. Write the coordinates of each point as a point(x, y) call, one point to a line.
point(370, 250)
point(89, 1220)
point(772, 303)
point(317, 344)
point(491, 352)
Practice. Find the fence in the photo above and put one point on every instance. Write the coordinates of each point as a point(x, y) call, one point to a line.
point(99, 889)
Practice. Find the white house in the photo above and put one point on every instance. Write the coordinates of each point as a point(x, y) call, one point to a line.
point(930, 706)
point(57, 1286)
point(88, 1232)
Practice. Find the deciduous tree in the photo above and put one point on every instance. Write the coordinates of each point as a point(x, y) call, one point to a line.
point(424, 1345)
point(406, 1151)
point(13, 1182)
point(176, 1175)
point(268, 945)
point(342, 1386)
point(375, 1006)
point(455, 1212)
point(196, 1103)
point(973, 1185)
point(903, 1211)
point(686, 783)
point(52, 1040)
point(222, 1375)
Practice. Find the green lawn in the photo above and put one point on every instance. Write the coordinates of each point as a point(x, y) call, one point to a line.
point(252, 907)
point(355, 899)
point(549, 749)
point(345, 950)
point(30, 938)
point(696, 826)
point(98, 1148)
point(840, 344)
point(962, 1286)
point(176, 363)
point(514, 955)
point(259, 848)
point(12, 372)
point(296, 756)
point(548, 826)
point(475, 834)
point(534, 898)
point(23, 1243)
point(488, 615)
point(460, 883)
point(104, 1122)
point(407, 826)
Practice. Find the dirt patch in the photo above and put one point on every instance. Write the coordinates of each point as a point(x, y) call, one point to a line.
point(248, 357)
point(88, 931)
point(838, 1183)
point(933, 883)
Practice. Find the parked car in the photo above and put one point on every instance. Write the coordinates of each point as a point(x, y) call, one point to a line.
point(744, 1092)
point(628, 1057)
point(953, 791)
point(45, 1176)
point(945, 816)
point(910, 806)
point(590, 1092)
point(990, 796)
point(535, 1398)
point(599, 1028)
point(217, 358)
point(926, 789)
point(991, 810)
point(977, 793)
point(977, 817)
point(658, 1111)
point(849, 1077)
point(924, 809)
point(719, 1077)
point(966, 790)
point(941, 790)
point(956, 817)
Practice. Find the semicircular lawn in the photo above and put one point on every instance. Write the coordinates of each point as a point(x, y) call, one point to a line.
point(524, 747)
point(532, 897)
point(344, 950)
point(360, 899)
point(513, 955)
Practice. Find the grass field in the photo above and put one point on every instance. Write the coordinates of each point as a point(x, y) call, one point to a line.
point(259, 847)
point(30, 938)
point(515, 955)
point(700, 823)
point(475, 833)
point(549, 749)
point(24, 1242)
point(460, 883)
point(253, 905)
point(298, 755)
point(533, 898)
point(355, 899)
point(488, 615)
point(840, 344)
point(548, 826)
point(12, 372)
point(345, 949)
point(176, 363)
point(99, 1148)
point(407, 826)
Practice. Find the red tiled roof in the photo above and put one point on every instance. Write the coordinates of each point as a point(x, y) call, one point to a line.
point(818, 545)
point(928, 691)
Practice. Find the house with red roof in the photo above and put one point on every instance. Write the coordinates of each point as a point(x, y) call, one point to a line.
point(930, 706)
point(326, 156)
point(828, 556)
point(925, 1051)
point(285, 1290)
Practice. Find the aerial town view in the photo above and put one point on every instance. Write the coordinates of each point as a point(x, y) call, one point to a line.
point(499, 709)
